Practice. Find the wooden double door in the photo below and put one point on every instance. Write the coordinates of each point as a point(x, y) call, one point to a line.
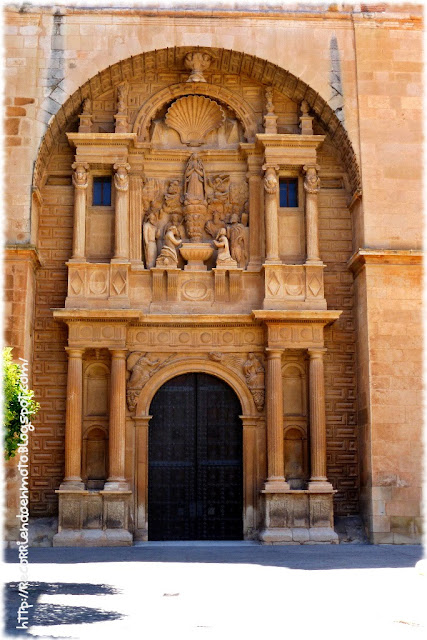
point(195, 468)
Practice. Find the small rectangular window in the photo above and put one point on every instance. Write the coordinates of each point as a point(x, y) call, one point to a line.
point(288, 192)
point(102, 191)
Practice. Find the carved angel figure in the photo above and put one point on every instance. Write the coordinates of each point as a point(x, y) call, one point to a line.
point(223, 258)
point(142, 370)
point(255, 378)
point(219, 184)
point(168, 256)
point(150, 233)
point(236, 235)
point(194, 178)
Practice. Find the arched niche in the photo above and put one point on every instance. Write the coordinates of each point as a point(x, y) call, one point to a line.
point(295, 452)
point(96, 390)
point(95, 456)
point(195, 365)
point(294, 389)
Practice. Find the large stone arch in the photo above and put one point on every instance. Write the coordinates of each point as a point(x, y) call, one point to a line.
point(191, 365)
point(234, 62)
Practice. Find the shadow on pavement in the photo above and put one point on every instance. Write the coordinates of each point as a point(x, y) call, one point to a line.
point(42, 614)
point(306, 557)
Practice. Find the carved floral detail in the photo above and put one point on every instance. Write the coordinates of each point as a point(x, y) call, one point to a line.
point(193, 117)
point(251, 368)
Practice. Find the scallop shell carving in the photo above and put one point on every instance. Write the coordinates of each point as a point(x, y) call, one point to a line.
point(193, 117)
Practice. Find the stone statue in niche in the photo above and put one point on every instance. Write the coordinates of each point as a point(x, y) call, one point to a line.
point(150, 233)
point(270, 119)
point(195, 205)
point(195, 180)
point(254, 374)
point(121, 99)
point(224, 258)
point(168, 256)
point(213, 226)
point(197, 61)
point(236, 235)
point(87, 107)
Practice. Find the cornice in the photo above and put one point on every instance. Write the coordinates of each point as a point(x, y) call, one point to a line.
point(24, 253)
point(295, 316)
point(384, 257)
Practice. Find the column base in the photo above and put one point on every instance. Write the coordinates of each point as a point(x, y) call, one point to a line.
point(72, 485)
point(116, 485)
point(320, 486)
point(276, 486)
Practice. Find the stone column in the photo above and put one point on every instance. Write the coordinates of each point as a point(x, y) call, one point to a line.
point(274, 394)
point(116, 478)
point(121, 240)
point(73, 421)
point(318, 479)
point(135, 218)
point(312, 188)
point(255, 235)
point(271, 185)
point(80, 182)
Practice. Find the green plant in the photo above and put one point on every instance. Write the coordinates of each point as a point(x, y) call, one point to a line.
point(18, 405)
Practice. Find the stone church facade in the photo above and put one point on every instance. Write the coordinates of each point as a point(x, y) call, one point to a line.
point(214, 270)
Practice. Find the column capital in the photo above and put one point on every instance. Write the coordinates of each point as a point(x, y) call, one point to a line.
point(311, 180)
point(316, 352)
point(274, 353)
point(142, 422)
point(118, 353)
point(75, 352)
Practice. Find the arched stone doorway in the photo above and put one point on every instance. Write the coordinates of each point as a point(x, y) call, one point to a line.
point(195, 461)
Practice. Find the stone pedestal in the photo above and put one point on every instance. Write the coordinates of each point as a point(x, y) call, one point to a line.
point(94, 519)
point(298, 517)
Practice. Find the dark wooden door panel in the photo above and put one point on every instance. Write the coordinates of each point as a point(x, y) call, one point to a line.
point(195, 482)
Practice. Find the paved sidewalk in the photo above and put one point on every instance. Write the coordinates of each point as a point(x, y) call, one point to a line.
point(221, 590)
